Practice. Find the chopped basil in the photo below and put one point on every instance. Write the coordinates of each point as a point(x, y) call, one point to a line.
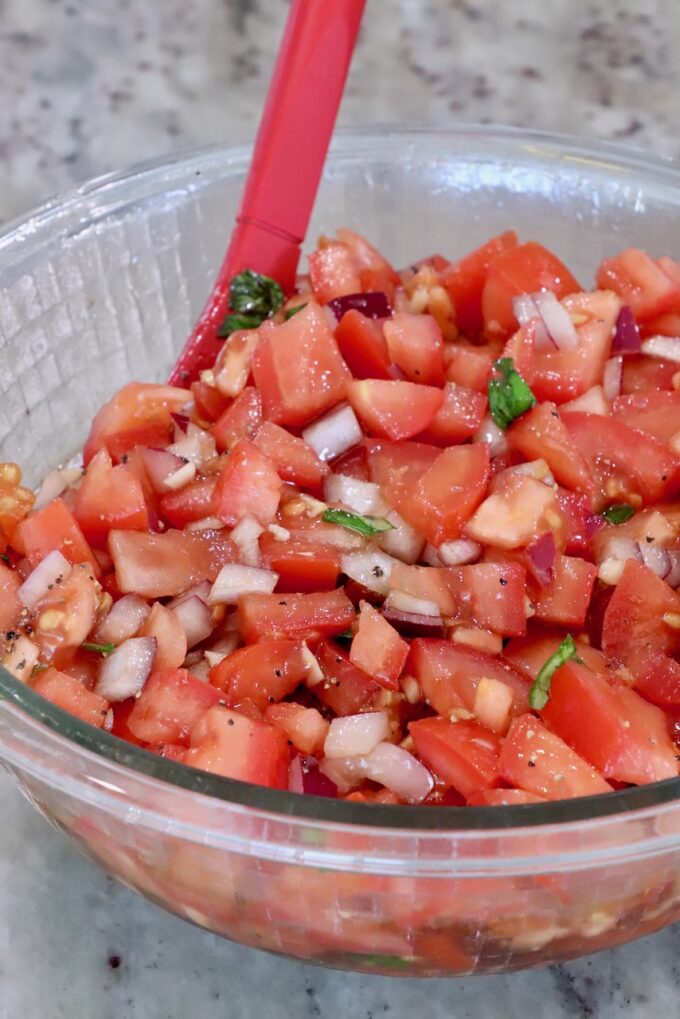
point(252, 299)
point(5, 558)
point(367, 526)
point(509, 395)
point(345, 635)
point(293, 311)
point(101, 649)
point(618, 513)
point(540, 688)
point(357, 960)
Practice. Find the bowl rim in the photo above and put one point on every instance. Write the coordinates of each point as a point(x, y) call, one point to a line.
point(68, 729)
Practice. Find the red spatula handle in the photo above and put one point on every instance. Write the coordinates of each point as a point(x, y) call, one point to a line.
point(288, 159)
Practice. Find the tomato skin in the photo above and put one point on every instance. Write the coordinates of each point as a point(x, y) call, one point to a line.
point(634, 618)
point(294, 615)
point(458, 418)
point(227, 743)
point(169, 707)
point(523, 269)
point(10, 604)
point(240, 420)
point(210, 403)
point(333, 272)
point(464, 754)
point(393, 410)
point(260, 673)
point(248, 485)
point(470, 366)
point(464, 281)
point(539, 762)
point(492, 596)
point(656, 413)
point(565, 601)
point(109, 497)
point(138, 414)
point(362, 344)
point(53, 526)
point(640, 282)
point(303, 566)
point(446, 495)
point(165, 565)
point(541, 434)
point(415, 344)
point(397, 467)
point(656, 678)
point(642, 374)
point(70, 695)
point(375, 272)
point(377, 649)
point(581, 525)
point(613, 728)
point(293, 459)
point(347, 689)
point(196, 501)
point(298, 369)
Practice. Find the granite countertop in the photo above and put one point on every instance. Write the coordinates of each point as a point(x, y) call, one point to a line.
point(91, 85)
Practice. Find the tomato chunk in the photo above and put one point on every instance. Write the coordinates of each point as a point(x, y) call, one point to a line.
point(458, 418)
point(196, 501)
point(566, 598)
point(230, 744)
point(109, 498)
point(394, 410)
point(541, 434)
point(377, 649)
point(293, 459)
point(346, 689)
point(464, 281)
point(260, 673)
point(640, 282)
point(162, 565)
point(10, 605)
point(248, 485)
point(170, 705)
point(294, 615)
point(240, 420)
point(361, 342)
point(642, 614)
point(70, 695)
point(303, 566)
point(446, 494)
point(656, 413)
point(464, 754)
point(333, 272)
point(139, 414)
point(53, 526)
point(415, 344)
point(538, 761)
point(491, 595)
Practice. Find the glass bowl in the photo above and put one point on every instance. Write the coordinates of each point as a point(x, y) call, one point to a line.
point(102, 286)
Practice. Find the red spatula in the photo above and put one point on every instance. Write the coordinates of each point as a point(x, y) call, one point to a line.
point(288, 159)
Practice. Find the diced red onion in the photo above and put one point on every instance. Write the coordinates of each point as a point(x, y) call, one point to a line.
point(304, 776)
point(356, 735)
point(525, 310)
point(459, 552)
point(125, 671)
point(359, 496)
point(618, 550)
point(233, 581)
point(611, 378)
point(666, 347)
point(665, 563)
point(399, 771)
point(492, 435)
point(411, 623)
point(626, 339)
point(125, 618)
point(371, 303)
point(40, 580)
point(590, 402)
point(402, 541)
point(54, 483)
point(201, 591)
point(160, 465)
point(195, 618)
point(181, 420)
point(334, 433)
point(371, 569)
point(246, 534)
point(541, 555)
point(554, 328)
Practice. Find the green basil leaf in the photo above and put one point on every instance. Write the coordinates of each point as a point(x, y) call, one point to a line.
point(101, 649)
point(540, 688)
point(250, 293)
point(367, 526)
point(233, 323)
point(617, 513)
point(293, 311)
point(509, 395)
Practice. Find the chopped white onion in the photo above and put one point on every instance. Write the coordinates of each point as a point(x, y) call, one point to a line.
point(334, 433)
point(359, 496)
point(40, 580)
point(590, 402)
point(160, 465)
point(280, 533)
point(402, 602)
point(525, 310)
point(399, 771)
point(206, 524)
point(54, 483)
point(492, 435)
point(431, 556)
point(197, 446)
point(222, 649)
point(345, 772)
point(371, 569)
point(246, 534)
point(459, 552)
point(181, 477)
point(556, 320)
point(125, 671)
point(233, 581)
point(666, 347)
point(21, 657)
point(232, 367)
point(611, 378)
point(314, 673)
point(662, 561)
point(537, 469)
point(126, 617)
point(356, 735)
point(195, 618)
point(402, 541)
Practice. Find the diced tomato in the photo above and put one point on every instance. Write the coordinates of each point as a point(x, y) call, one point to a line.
point(298, 368)
point(293, 459)
point(464, 281)
point(539, 762)
point(346, 689)
point(639, 282)
point(397, 467)
point(470, 366)
point(53, 527)
point(502, 798)
point(377, 649)
point(353, 463)
point(248, 485)
point(515, 514)
point(70, 695)
point(641, 374)
point(375, 272)
point(362, 344)
point(667, 324)
point(429, 583)
point(306, 728)
point(240, 420)
point(458, 418)
point(66, 614)
point(464, 754)
point(227, 743)
point(109, 498)
point(139, 414)
point(121, 711)
point(565, 600)
point(210, 403)
point(541, 434)
point(394, 410)
point(491, 595)
point(522, 269)
point(195, 501)
point(165, 565)
point(294, 615)
point(656, 413)
point(529, 654)
point(656, 678)
point(580, 523)
point(261, 673)
point(170, 705)
point(449, 675)
point(415, 344)
point(636, 617)
point(302, 565)
point(10, 604)
point(624, 461)
point(613, 728)
point(333, 272)
point(171, 640)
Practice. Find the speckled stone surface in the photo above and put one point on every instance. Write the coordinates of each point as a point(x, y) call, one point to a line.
point(91, 85)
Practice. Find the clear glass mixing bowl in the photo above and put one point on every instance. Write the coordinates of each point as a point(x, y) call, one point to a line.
point(102, 286)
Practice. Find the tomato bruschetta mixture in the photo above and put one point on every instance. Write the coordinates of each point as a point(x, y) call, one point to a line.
point(415, 538)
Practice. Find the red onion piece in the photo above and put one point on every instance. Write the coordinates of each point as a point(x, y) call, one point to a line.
point(413, 624)
point(664, 562)
point(39, 580)
point(334, 433)
point(124, 673)
point(126, 617)
point(399, 771)
point(181, 420)
point(611, 378)
point(195, 618)
point(541, 555)
point(626, 338)
point(592, 523)
point(305, 777)
point(372, 304)
point(356, 735)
